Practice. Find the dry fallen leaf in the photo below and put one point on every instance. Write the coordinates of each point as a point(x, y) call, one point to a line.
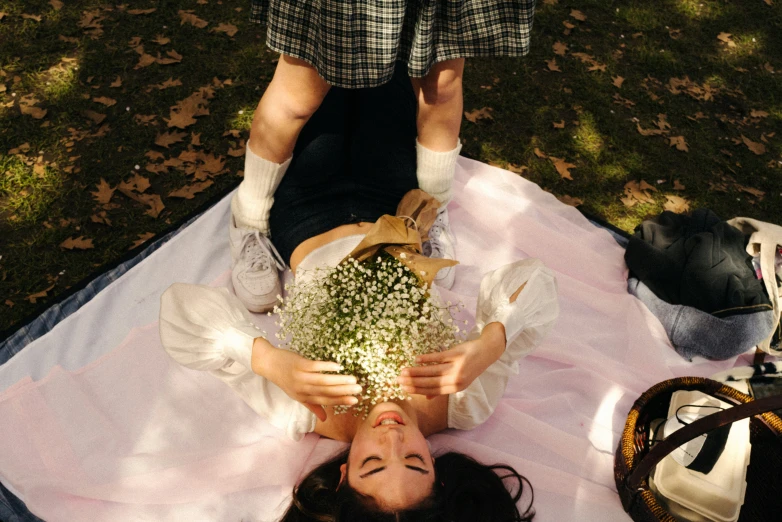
point(618, 81)
point(677, 185)
point(479, 114)
point(101, 217)
point(152, 201)
point(39, 295)
point(104, 192)
point(516, 169)
point(568, 200)
point(141, 11)
point(726, 38)
point(169, 138)
point(758, 114)
point(195, 139)
point(754, 146)
point(95, 116)
point(228, 29)
point(578, 15)
point(78, 243)
point(563, 167)
point(559, 125)
point(239, 151)
point(9, 303)
point(56, 4)
point(552, 65)
point(161, 40)
point(142, 238)
point(189, 191)
point(539, 153)
point(26, 16)
point(104, 100)
point(753, 191)
point(187, 17)
point(676, 204)
point(636, 192)
point(679, 142)
point(24, 147)
point(648, 132)
point(116, 83)
point(559, 48)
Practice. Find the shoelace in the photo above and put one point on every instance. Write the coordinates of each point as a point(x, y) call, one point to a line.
point(261, 252)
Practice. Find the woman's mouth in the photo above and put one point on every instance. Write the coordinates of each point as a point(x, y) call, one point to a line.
point(388, 418)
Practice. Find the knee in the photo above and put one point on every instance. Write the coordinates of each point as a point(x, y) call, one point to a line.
point(441, 87)
point(293, 105)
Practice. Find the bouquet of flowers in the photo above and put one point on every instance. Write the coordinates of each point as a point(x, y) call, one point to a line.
point(372, 317)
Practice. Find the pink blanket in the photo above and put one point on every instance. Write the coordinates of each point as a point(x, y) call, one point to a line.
point(126, 434)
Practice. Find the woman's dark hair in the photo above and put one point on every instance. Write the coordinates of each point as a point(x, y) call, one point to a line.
point(463, 490)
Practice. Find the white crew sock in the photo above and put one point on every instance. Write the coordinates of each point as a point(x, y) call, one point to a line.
point(435, 171)
point(253, 201)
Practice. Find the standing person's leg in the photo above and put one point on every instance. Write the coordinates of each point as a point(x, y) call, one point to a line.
point(292, 97)
point(440, 107)
point(294, 94)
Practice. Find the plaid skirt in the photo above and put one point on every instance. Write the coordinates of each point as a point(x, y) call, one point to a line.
point(355, 43)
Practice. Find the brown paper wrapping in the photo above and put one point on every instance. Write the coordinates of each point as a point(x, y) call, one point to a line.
point(401, 236)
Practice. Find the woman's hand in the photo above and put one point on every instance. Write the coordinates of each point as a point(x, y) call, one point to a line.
point(453, 370)
point(302, 379)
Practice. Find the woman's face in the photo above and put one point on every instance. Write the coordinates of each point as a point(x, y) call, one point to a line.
point(389, 459)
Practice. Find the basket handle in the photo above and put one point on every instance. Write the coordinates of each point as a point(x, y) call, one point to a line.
point(696, 429)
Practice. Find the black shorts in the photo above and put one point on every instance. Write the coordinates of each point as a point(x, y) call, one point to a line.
point(353, 162)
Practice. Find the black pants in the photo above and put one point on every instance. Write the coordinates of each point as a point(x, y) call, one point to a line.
point(354, 160)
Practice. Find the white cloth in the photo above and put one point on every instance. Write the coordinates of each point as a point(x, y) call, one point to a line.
point(206, 328)
point(98, 423)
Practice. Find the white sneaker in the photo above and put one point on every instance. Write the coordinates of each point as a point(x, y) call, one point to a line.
point(441, 245)
point(255, 268)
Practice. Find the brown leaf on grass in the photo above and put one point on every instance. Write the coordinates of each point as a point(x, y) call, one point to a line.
point(649, 132)
point(752, 191)
point(141, 11)
point(516, 169)
point(137, 183)
point(559, 125)
point(101, 217)
point(187, 17)
point(559, 48)
point(56, 4)
point(212, 164)
point(171, 82)
point(27, 106)
point(539, 153)
point(578, 15)
point(697, 116)
point(26, 16)
point(563, 167)
point(169, 138)
point(726, 38)
point(154, 155)
point(195, 139)
point(233, 132)
point(769, 68)
point(239, 151)
point(24, 147)
point(768, 2)
point(116, 83)
point(676, 204)
point(173, 57)
point(623, 101)
point(142, 238)
point(636, 192)
point(38, 295)
point(189, 191)
point(677, 185)
point(152, 201)
point(679, 143)
point(8, 302)
point(754, 146)
point(758, 114)
point(594, 65)
point(104, 192)
point(568, 200)
point(145, 60)
point(675, 34)
point(104, 100)
point(228, 29)
point(662, 122)
point(479, 114)
point(95, 116)
point(143, 119)
point(618, 81)
point(78, 243)
point(552, 65)
point(161, 40)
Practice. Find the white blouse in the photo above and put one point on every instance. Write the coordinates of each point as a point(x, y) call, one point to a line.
point(205, 328)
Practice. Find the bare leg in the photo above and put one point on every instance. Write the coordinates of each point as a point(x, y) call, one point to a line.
point(440, 105)
point(292, 97)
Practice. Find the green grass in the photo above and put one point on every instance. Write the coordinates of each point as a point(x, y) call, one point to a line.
point(648, 44)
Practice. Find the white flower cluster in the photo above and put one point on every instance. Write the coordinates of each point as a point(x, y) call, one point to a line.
point(373, 318)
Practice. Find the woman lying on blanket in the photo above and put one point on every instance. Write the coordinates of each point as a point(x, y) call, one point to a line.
point(353, 163)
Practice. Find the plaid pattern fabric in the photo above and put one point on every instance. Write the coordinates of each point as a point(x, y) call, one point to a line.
point(354, 43)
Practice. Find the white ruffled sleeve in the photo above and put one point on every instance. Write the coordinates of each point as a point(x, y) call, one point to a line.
point(527, 321)
point(205, 328)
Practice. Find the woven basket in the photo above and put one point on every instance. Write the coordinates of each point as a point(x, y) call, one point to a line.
point(763, 499)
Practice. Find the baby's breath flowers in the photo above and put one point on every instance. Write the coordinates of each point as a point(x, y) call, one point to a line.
point(373, 318)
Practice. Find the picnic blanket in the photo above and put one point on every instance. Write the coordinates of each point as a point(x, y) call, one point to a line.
point(99, 424)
